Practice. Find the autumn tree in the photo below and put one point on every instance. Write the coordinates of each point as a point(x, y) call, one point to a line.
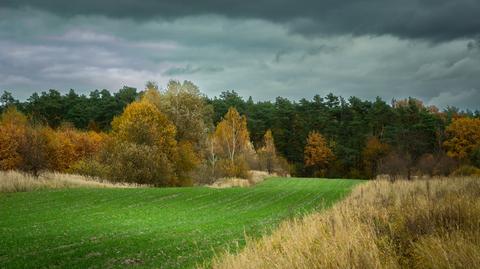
point(13, 126)
point(68, 146)
point(212, 157)
point(372, 154)
point(186, 108)
point(268, 153)
point(463, 138)
point(317, 154)
point(232, 135)
point(185, 163)
point(142, 123)
point(232, 139)
point(34, 150)
point(143, 146)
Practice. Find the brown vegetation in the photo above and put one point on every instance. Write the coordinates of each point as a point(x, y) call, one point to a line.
point(404, 224)
point(255, 177)
point(317, 153)
point(12, 181)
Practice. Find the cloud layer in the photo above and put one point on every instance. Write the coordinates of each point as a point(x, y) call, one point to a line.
point(258, 51)
point(430, 19)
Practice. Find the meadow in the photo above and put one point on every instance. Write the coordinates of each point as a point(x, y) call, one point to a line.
point(149, 227)
point(423, 224)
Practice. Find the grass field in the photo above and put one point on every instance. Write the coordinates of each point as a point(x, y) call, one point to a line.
point(148, 227)
point(417, 224)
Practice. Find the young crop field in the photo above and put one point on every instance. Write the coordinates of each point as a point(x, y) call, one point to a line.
point(149, 227)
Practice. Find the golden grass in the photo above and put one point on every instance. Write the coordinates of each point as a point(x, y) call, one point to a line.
point(406, 224)
point(229, 182)
point(13, 181)
point(256, 177)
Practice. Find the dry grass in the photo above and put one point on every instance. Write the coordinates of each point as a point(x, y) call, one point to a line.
point(229, 183)
point(12, 181)
point(418, 224)
point(256, 177)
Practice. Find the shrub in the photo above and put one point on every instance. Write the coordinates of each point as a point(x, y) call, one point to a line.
point(133, 163)
point(466, 170)
point(239, 168)
point(186, 163)
point(89, 167)
point(35, 151)
point(436, 165)
point(394, 165)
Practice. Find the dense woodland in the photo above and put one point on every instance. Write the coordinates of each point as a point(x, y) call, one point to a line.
point(177, 136)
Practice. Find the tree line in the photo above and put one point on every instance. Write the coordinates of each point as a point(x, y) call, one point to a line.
point(177, 136)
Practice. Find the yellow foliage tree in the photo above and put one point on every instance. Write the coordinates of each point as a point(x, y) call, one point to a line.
point(267, 153)
point(463, 138)
point(317, 154)
point(186, 162)
point(232, 135)
point(231, 140)
point(143, 147)
point(185, 107)
point(143, 124)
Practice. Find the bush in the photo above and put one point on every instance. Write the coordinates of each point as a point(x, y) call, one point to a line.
point(129, 162)
point(475, 157)
point(239, 168)
point(282, 167)
point(394, 165)
point(466, 170)
point(89, 167)
point(436, 165)
point(186, 163)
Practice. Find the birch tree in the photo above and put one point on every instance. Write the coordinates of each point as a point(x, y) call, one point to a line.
point(232, 135)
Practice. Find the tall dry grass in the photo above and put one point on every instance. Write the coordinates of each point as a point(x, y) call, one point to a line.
point(13, 181)
point(405, 224)
point(256, 177)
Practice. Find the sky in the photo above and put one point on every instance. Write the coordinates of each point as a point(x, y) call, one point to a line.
point(428, 49)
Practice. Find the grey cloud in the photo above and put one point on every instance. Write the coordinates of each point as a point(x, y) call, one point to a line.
point(468, 97)
point(434, 20)
point(189, 70)
point(40, 50)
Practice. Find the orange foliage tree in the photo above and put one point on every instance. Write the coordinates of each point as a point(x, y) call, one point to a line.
point(317, 154)
point(463, 138)
point(67, 146)
point(13, 126)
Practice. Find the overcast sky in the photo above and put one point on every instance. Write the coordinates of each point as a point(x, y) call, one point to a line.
point(429, 49)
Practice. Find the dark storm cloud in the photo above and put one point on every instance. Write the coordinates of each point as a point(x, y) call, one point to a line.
point(255, 53)
point(435, 20)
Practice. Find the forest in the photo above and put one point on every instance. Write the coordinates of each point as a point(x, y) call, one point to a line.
point(178, 136)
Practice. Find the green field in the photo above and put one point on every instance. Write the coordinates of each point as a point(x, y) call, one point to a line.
point(148, 227)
